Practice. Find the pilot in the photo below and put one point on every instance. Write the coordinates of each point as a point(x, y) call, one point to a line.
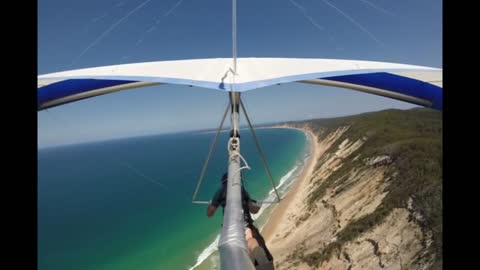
point(259, 253)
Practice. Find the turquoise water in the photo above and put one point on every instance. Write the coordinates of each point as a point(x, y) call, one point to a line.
point(126, 204)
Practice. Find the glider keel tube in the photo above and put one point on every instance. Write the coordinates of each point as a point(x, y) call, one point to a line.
point(232, 244)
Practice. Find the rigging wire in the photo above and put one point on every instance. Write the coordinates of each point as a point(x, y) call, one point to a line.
point(212, 147)
point(259, 148)
point(364, 29)
point(106, 32)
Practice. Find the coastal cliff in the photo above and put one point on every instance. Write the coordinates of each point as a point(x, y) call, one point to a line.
point(371, 199)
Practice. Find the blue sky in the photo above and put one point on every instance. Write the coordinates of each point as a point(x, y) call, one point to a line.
point(78, 34)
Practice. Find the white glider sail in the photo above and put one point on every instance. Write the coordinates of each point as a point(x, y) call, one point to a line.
point(415, 84)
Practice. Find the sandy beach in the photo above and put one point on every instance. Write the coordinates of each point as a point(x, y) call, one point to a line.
point(294, 195)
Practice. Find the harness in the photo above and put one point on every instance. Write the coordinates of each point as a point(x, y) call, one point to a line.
point(247, 218)
point(246, 212)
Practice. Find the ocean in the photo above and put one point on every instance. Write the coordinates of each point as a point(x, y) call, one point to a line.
point(126, 203)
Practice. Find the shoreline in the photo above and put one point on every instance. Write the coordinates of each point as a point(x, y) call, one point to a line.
point(276, 215)
point(280, 212)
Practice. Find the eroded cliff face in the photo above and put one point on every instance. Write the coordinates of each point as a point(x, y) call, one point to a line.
point(344, 218)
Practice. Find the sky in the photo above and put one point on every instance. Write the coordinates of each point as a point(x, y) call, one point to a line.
point(76, 34)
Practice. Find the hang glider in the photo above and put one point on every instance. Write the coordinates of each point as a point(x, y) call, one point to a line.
point(415, 84)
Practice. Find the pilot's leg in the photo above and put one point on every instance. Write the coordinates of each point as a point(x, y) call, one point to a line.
point(257, 253)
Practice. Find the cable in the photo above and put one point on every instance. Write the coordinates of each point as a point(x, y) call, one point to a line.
point(264, 160)
point(212, 146)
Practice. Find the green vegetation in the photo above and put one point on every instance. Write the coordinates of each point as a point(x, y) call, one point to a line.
point(336, 179)
point(413, 139)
